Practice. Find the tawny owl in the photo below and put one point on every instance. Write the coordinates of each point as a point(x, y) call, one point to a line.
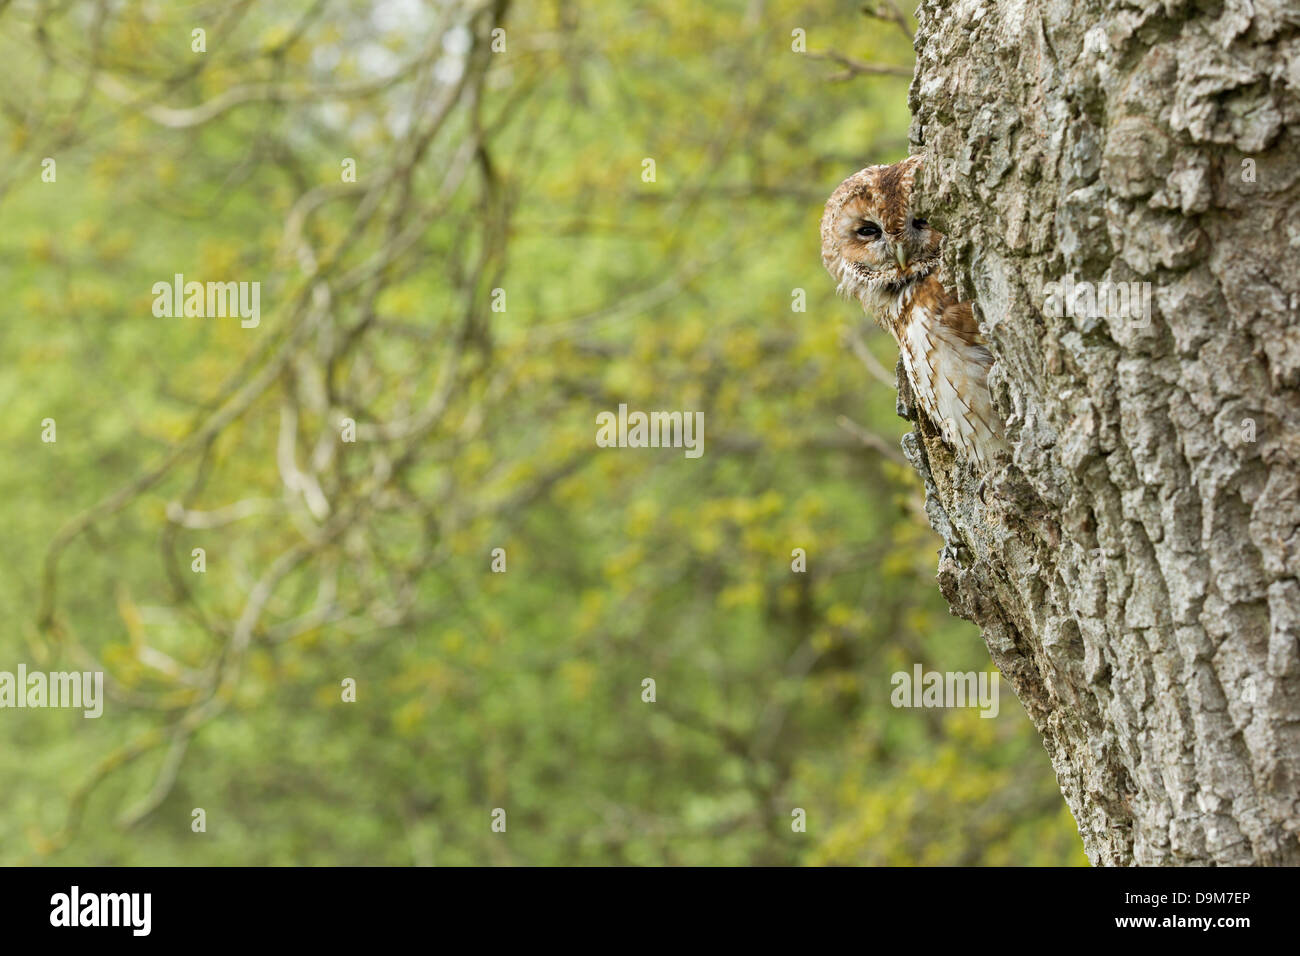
point(880, 251)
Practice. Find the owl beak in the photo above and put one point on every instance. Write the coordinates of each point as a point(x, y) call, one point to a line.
point(900, 253)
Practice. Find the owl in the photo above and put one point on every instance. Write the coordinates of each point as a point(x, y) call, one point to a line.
point(881, 252)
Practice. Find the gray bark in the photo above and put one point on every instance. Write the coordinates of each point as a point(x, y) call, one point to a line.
point(1134, 572)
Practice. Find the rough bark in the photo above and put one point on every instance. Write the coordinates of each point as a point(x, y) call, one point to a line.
point(1134, 571)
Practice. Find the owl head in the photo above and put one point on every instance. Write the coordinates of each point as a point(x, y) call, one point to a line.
point(874, 243)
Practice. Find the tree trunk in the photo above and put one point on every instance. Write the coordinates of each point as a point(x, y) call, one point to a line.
point(1134, 572)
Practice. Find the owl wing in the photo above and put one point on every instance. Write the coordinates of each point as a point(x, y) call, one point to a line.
point(960, 319)
point(947, 361)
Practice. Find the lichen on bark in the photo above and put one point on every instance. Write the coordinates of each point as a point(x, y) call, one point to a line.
point(1134, 570)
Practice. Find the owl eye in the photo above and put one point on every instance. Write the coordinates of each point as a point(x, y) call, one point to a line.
point(919, 224)
point(868, 230)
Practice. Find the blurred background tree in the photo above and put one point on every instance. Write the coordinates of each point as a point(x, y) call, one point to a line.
point(500, 271)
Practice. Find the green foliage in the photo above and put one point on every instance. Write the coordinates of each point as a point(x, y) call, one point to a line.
point(519, 690)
